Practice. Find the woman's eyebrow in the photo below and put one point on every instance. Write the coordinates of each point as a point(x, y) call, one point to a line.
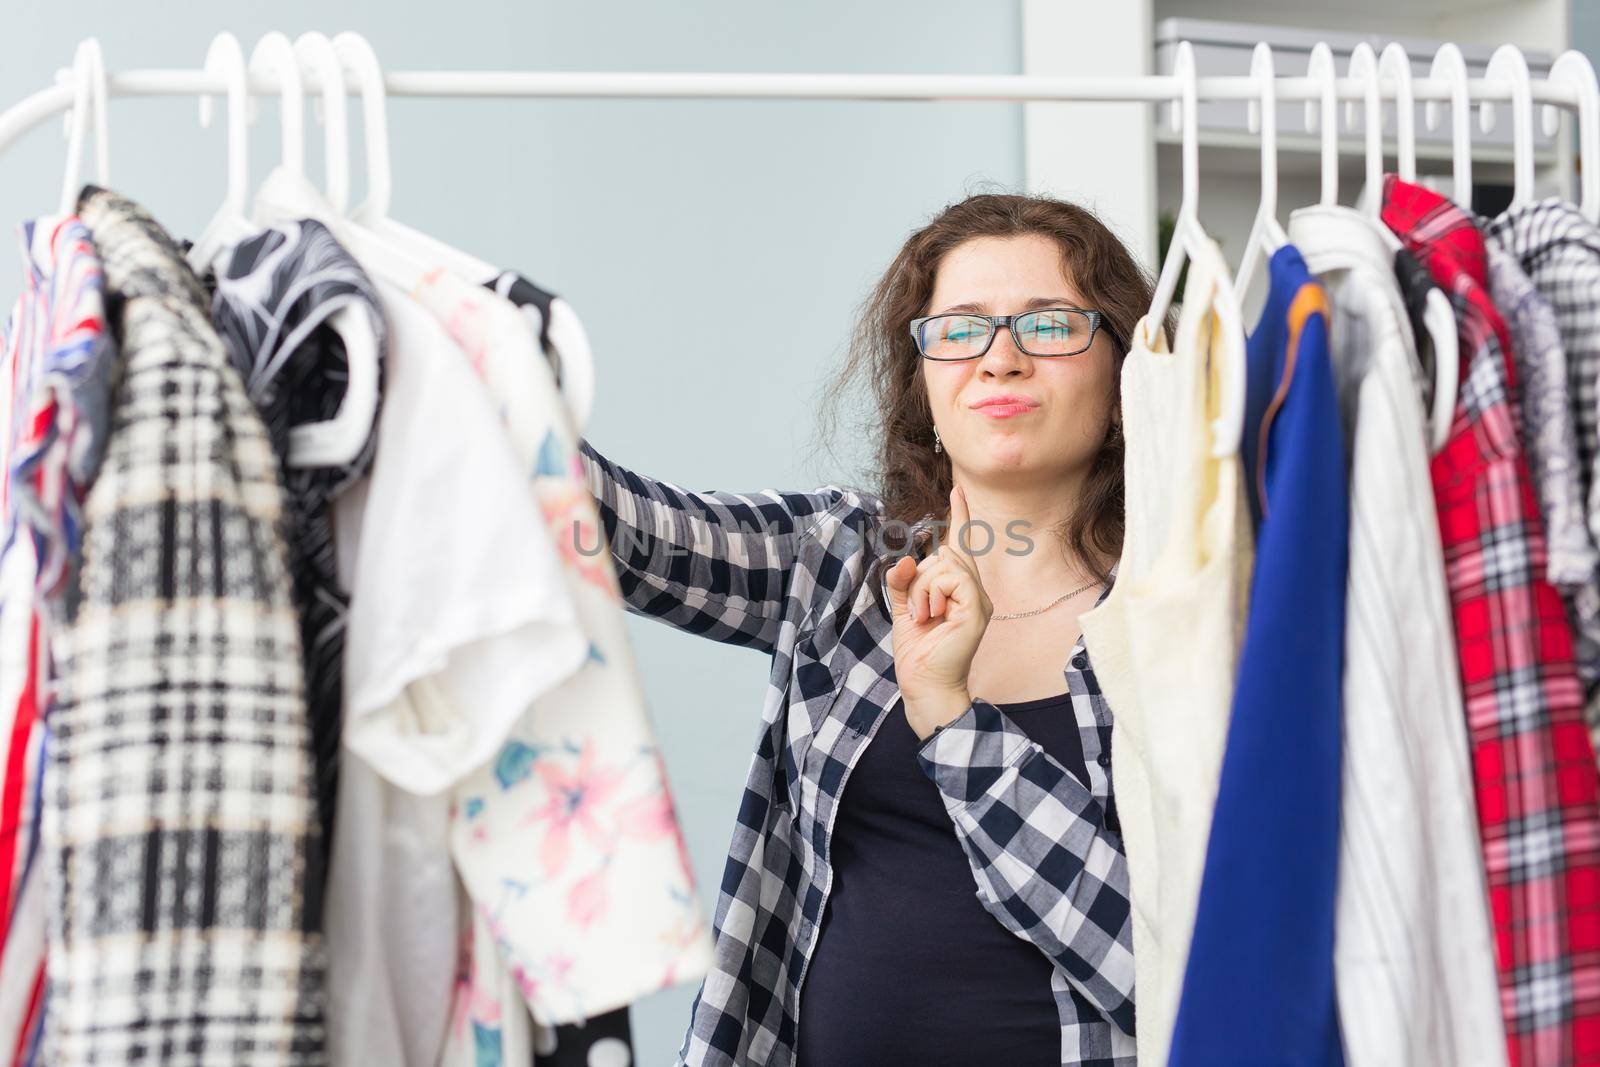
point(1036, 302)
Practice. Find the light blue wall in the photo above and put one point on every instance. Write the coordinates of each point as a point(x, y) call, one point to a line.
point(1586, 28)
point(715, 250)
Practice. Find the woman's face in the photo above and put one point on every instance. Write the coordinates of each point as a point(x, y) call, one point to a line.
point(1062, 434)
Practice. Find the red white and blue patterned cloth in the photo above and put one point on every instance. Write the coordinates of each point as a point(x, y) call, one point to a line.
point(54, 368)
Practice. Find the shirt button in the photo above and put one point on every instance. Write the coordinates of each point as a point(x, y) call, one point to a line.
point(1080, 661)
point(1104, 760)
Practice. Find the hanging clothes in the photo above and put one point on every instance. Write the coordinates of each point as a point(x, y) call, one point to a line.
point(1537, 791)
point(575, 951)
point(1165, 639)
point(55, 372)
point(457, 619)
point(185, 915)
point(1550, 439)
point(276, 298)
point(1413, 948)
point(564, 341)
point(1433, 325)
point(1560, 251)
point(560, 331)
point(1548, 431)
point(1258, 984)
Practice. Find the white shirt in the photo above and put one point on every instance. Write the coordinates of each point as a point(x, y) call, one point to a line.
point(459, 617)
point(1165, 641)
point(1413, 948)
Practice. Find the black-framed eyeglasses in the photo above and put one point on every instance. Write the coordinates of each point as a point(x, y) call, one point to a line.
point(1059, 331)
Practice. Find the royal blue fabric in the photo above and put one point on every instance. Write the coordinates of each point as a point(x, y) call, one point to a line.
point(1258, 990)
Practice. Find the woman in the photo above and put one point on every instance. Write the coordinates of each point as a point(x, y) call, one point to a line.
point(927, 846)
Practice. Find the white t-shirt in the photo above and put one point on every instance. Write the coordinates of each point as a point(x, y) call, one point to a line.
point(459, 618)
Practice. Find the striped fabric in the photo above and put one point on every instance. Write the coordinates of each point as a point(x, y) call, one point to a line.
point(1413, 948)
point(280, 301)
point(1549, 430)
point(1538, 791)
point(179, 817)
point(58, 355)
point(1560, 251)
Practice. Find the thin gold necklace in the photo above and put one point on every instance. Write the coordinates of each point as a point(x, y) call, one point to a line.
point(1047, 607)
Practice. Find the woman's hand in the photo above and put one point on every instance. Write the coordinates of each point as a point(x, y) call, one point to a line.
point(939, 612)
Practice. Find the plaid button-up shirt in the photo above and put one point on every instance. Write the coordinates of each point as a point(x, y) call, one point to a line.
point(1538, 790)
point(788, 573)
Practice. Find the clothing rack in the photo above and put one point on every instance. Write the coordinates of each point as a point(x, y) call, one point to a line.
point(1004, 88)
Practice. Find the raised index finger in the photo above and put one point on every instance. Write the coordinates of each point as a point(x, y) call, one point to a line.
point(960, 516)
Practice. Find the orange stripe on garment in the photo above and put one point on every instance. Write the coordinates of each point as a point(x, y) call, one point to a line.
point(1310, 300)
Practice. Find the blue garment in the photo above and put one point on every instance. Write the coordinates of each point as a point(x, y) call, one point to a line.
point(1259, 988)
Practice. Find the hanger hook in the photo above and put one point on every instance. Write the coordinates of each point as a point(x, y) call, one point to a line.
point(273, 55)
point(358, 58)
point(1320, 68)
point(315, 52)
point(1508, 64)
point(1262, 116)
point(90, 95)
point(1448, 63)
point(1364, 68)
point(1186, 118)
point(1573, 71)
point(1395, 65)
point(226, 58)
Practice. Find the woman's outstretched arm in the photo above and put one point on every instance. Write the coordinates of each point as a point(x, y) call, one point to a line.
point(711, 563)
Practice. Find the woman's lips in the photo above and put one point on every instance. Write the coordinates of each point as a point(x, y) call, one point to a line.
point(1004, 411)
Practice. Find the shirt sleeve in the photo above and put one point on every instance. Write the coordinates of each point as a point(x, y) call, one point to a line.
point(712, 563)
point(1044, 863)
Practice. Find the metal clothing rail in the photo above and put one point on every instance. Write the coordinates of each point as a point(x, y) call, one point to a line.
point(1006, 88)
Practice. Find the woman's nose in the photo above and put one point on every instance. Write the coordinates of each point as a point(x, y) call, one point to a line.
point(1004, 357)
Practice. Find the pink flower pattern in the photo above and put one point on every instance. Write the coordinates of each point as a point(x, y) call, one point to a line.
point(568, 842)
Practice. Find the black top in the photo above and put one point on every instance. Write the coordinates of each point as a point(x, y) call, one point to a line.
point(878, 989)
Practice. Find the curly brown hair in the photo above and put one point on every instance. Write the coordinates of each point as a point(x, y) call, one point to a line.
point(912, 479)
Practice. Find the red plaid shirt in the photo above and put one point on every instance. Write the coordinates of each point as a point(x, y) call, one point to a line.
point(1537, 787)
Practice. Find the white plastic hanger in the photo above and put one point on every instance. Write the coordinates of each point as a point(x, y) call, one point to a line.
point(359, 61)
point(1395, 65)
point(230, 224)
point(1189, 237)
point(88, 75)
point(1448, 63)
point(315, 54)
point(1572, 70)
point(1266, 233)
point(1323, 114)
point(1508, 64)
point(338, 440)
point(1438, 317)
point(1364, 68)
point(274, 55)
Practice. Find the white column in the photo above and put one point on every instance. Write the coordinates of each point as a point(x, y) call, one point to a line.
point(1100, 155)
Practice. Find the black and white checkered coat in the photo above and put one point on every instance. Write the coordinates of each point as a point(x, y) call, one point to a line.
point(788, 573)
point(179, 818)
